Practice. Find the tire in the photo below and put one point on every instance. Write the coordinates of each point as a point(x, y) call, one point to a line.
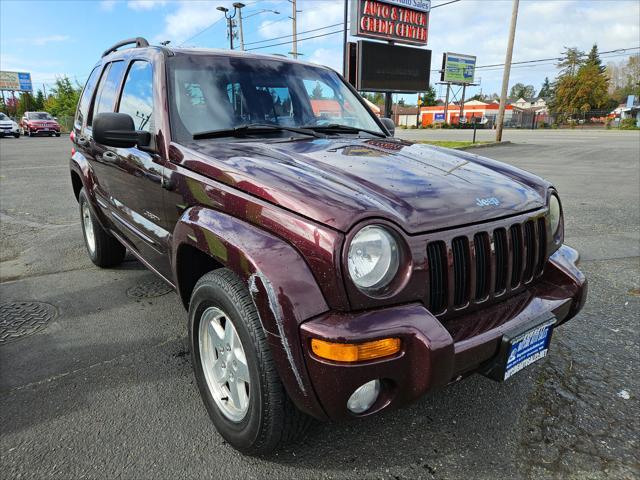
point(57, 134)
point(103, 249)
point(16, 135)
point(270, 419)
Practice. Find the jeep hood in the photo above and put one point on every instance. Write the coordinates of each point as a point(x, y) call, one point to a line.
point(340, 182)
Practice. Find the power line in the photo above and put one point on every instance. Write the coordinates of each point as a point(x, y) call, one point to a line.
point(290, 35)
point(202, 31)
point(443, 4)
point(299, 40)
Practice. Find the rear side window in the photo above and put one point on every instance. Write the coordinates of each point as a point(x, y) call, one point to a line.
point(85, 99)
point(137, 95)
point(107, 90)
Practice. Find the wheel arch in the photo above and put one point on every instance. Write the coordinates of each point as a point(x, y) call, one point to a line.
point(281, 285)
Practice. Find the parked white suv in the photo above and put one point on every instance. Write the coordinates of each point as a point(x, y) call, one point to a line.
point(8, 127)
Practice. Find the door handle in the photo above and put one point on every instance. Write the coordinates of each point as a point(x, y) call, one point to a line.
point(109, 156)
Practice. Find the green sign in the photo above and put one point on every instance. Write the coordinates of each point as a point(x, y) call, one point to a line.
point(457, 68)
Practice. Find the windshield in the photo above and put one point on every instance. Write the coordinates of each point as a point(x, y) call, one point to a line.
point(39, 116)
point(211, 93)
point(3, 117)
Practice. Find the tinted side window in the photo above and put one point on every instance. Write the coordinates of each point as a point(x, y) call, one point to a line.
point(105, 101)
point(137, 95)
point(85, 99)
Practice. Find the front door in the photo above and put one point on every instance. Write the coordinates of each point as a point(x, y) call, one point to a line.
point(135, 176)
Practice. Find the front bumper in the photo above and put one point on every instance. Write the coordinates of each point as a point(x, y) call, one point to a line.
point(5, 132)
point(47, 130)
point(434, 352)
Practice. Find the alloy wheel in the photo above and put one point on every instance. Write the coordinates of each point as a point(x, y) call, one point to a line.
point(224, 364)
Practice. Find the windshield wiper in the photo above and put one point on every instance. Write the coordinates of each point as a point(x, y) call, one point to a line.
point(252, 129)
point(339, 128)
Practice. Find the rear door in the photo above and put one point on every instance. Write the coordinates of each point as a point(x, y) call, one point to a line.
point(135, 175)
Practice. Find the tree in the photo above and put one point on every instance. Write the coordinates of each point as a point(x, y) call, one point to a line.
point(63, 99)
point(570, 62)
point(520, 90)
point(429, 97)
point(546, 91)
point(38, 103)
point(593, 58)
point(376, 98)
point(585, 91)
point(316, 93)
point(401, 102)
point(624, 79)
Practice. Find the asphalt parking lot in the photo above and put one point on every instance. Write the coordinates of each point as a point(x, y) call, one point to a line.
point(106, 389)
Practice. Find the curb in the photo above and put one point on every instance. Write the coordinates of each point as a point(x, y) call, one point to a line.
point(483, 145)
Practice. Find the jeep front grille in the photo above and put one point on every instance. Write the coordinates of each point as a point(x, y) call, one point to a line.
point(471, 269)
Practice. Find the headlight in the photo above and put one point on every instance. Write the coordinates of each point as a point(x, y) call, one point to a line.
point(14, 125)
point(373, 258)
point(555, 214)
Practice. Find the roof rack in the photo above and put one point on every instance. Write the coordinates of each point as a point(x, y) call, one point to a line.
point(139, 41)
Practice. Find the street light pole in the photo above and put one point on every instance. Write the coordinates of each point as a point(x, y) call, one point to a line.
point(507, 70)
point(229, 22)
point(239, 6)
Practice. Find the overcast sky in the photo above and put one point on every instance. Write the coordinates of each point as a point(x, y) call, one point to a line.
point(53, 38)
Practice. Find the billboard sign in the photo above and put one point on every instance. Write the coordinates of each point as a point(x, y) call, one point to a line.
point(402, 21)
point(16, 81)
point(457, 68)
point(392, 68)
point(439, 117)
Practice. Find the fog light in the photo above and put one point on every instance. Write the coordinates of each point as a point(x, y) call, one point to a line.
point(366, 395)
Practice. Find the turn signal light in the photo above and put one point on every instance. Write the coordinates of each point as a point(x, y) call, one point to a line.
point(355, 352)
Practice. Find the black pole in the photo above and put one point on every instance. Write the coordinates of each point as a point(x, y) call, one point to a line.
point(229, 21)
point(388, 105)
point(345, 52)
point(475, 126)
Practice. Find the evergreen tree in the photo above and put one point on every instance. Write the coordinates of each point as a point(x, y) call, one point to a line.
point(316, 93)
point(38, 103)
point(570, 62)
point(594, 58)
point(546, 91)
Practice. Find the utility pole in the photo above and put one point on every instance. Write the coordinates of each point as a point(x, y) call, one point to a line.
point(345, 51)
point(294, 18)
point(239, 6)
point(507, 70)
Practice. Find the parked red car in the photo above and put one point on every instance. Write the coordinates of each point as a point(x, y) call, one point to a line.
point(39, 123)
point(329, 269)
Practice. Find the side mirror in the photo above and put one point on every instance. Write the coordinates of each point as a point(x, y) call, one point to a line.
point(117, 130)
point(389, 125)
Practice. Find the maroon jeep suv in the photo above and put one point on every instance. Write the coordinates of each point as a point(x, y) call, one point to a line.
point(330, 271)
point(39, 123)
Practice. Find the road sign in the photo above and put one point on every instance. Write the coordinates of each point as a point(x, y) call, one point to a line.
point(16, 81)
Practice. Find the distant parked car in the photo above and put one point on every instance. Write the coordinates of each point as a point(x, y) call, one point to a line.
point(34, 123)
point(8, 127)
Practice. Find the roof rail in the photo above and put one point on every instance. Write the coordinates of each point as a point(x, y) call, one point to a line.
point(139, 41)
